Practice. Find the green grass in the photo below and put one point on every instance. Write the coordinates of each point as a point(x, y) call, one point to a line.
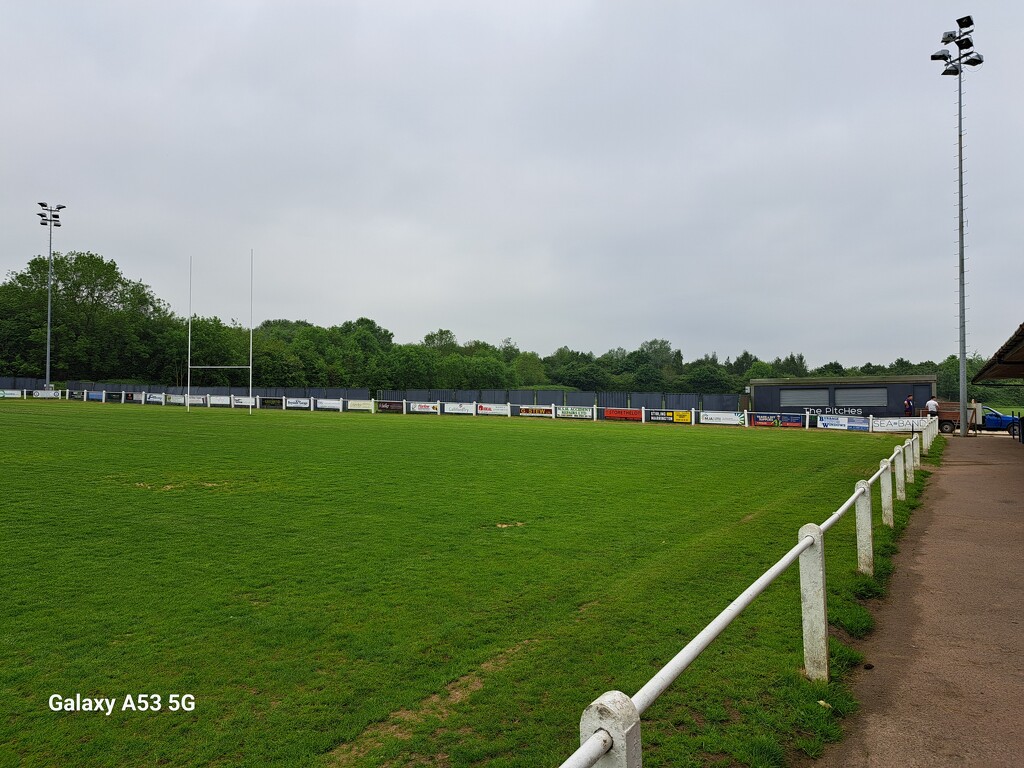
point(349, 589)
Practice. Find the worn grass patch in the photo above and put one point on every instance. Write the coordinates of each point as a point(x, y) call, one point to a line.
point(346, 589)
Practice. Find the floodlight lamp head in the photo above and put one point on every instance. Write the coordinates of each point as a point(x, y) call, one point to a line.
point(951, 69)
point(948, 37)
point(61, 206)
point(965, 21)
point(973, 59)
point(43, 222)
point(941, 55)
point(964, 42)
point(56, 223)
point(43, 205)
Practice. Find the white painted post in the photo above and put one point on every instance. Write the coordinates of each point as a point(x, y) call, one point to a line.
point(901, 475)
point(745, 422)
point(916, 442)
point(615, 713)
point(814, 605)
point(403, 406)
point(509, 409)
point(885, 486)
point(643, 414)
point(871, 422)
point(908, 459)
point(865, 548)
point(474, 409)
point(438, 407)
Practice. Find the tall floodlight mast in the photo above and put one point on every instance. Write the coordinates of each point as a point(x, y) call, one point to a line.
point(49, 218)
point(954, 65)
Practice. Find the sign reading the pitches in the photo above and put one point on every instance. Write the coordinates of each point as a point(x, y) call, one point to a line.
point(360, 405)
point(623, 414)
point(776, 420)
point(389, 406)
point(851, 423)
point(732, 418)
point(424, 407)
point(460, 408)
point(297, 403)
point(536, 410)
point(573, 412)
point(494, 409)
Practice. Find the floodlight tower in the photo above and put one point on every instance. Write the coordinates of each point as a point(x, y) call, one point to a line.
point(51, 218)
point(966, 56)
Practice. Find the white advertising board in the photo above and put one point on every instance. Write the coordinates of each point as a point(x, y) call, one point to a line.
point(360, 405)
point(10, 393)
point(174, 399)
point(243, 401)
point(573, 412)
point(297, 403)
point(899, 424)
point(154, 398)
point(732, 418)
point(220, 400)
point(424, 408)
point(197, 399)
point(849, 423)
point(327, 404)
point(494, 409)
point(46, 394)
point(466, 408)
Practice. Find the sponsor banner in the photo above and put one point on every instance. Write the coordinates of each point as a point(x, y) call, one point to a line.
point(573, 412)
point(327, 404)
point(174, 399)
point(218, 401)
point(10, 393)
point(494, 409)
point(623, 414)
point(135, 397)
point(463, 408)
point(851, 423)
point(154, 398)
point(45, 394)
point(656, 414)
point(243, 401)
point(95, 397)
point(297, 403)
point(197, 399)
point(390, 406)
point(536, 410)
point(76, 394)
point(733, 418)
point(114, 397)
point(360, 405)
point(899, 424)
point(682, 417)
point(776, 420)
point(415, 407)
point(271, 402)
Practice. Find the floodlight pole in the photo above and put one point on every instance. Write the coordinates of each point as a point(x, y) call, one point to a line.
point(955, 66)
point(50, 218)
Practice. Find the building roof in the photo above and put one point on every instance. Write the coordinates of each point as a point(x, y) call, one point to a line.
point(810, 381)
point(1007, 363)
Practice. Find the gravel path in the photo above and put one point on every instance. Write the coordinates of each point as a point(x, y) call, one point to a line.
point(946, 685)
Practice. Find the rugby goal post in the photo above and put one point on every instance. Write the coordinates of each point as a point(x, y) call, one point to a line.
point(188, 383)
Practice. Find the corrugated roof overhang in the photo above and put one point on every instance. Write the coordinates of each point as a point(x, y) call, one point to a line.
point(1007, 363)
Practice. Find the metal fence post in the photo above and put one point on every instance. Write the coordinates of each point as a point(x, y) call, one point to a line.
point(885, 489)
point(615, 713)
point(908, 461)
point(865, 545)
point(813, 603)
point(901, 475)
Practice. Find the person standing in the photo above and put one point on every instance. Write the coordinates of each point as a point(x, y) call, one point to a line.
point(908, 406)
point(933, 406)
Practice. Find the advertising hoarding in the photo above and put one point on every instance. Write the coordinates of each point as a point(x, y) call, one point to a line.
point(494, 409)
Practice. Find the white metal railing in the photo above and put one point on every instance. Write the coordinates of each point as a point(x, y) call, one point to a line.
point(610, 726)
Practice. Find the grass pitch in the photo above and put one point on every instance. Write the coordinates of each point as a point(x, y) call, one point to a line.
point(349, 589)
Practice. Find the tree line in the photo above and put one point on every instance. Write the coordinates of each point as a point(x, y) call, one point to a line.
point(106, 327)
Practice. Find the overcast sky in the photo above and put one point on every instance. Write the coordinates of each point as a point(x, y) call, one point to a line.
point(776, 177)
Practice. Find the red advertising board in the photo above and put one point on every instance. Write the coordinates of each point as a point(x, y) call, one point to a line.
point(623, 414)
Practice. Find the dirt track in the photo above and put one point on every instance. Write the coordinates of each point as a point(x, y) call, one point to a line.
point(947, 683)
